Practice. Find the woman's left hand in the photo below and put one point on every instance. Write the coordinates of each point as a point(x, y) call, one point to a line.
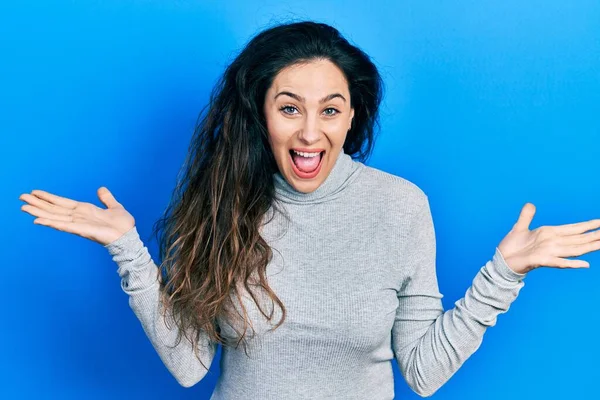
point(525, 250)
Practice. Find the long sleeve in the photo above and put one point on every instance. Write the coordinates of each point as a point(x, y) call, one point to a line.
point(139, 279)
point(430, 345)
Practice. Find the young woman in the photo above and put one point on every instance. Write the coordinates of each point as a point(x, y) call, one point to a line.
point(279, 237)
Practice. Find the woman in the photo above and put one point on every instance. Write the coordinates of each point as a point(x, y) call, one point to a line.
point(276, 206)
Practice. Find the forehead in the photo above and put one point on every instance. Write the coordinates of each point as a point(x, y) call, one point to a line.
point(314, 77)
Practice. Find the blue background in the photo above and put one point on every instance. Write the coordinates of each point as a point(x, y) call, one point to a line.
point(488, 105)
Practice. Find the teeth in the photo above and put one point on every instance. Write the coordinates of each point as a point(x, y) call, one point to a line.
point(303, 154)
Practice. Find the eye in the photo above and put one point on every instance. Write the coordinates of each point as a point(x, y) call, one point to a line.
point(330, 108)
point(287, 107)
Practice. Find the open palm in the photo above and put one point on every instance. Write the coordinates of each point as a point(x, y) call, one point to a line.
point(83, 219)
point(548, 246)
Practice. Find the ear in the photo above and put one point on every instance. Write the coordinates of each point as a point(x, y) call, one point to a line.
point(351, 118)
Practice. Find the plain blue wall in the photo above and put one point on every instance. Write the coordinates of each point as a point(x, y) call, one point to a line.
point(488, 105)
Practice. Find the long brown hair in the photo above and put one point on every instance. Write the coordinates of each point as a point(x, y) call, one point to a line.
point(210, 240)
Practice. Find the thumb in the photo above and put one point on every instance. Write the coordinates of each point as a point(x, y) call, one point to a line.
point(525, 218)
point(107, 198)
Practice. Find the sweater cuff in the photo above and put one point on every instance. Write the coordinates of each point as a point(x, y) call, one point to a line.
point(128, 241)
point(501, 269)
point(135, 265)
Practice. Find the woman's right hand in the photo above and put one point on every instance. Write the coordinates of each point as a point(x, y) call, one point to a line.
point(83, 219)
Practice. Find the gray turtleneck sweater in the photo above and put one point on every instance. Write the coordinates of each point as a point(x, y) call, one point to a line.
point(355, 267)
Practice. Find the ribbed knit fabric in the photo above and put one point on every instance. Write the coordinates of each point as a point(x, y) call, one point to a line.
point(355, 267)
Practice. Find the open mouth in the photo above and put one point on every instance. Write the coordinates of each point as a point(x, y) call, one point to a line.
point(306, 167)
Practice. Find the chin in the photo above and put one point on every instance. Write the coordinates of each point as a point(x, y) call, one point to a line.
point(307, 187)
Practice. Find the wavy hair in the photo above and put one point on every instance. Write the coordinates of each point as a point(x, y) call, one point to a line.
point(210, 240)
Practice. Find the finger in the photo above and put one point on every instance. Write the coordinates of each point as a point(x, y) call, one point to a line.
point(36, 212)
point(585, 248)
point(580, 239)
point(576, 250)
point(43, 204)
point(107, 198)
point(70, 227)
point(54, 199)
point(525, 217)
point(566, 263)
point(579, 227)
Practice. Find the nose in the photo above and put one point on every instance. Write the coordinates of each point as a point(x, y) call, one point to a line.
point(310, 132)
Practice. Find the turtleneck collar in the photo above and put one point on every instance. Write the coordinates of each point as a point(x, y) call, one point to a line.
point(344, 171)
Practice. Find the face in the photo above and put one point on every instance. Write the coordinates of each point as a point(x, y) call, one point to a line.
point(307, 108)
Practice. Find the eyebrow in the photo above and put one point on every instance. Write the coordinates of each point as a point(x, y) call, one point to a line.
point(301, 99)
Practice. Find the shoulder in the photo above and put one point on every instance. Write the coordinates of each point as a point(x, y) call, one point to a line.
point(392, 204)
point(392, 191)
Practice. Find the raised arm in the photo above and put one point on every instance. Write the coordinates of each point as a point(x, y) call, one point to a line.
point(139, 279)
point(114, 228)
point(430, 345)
